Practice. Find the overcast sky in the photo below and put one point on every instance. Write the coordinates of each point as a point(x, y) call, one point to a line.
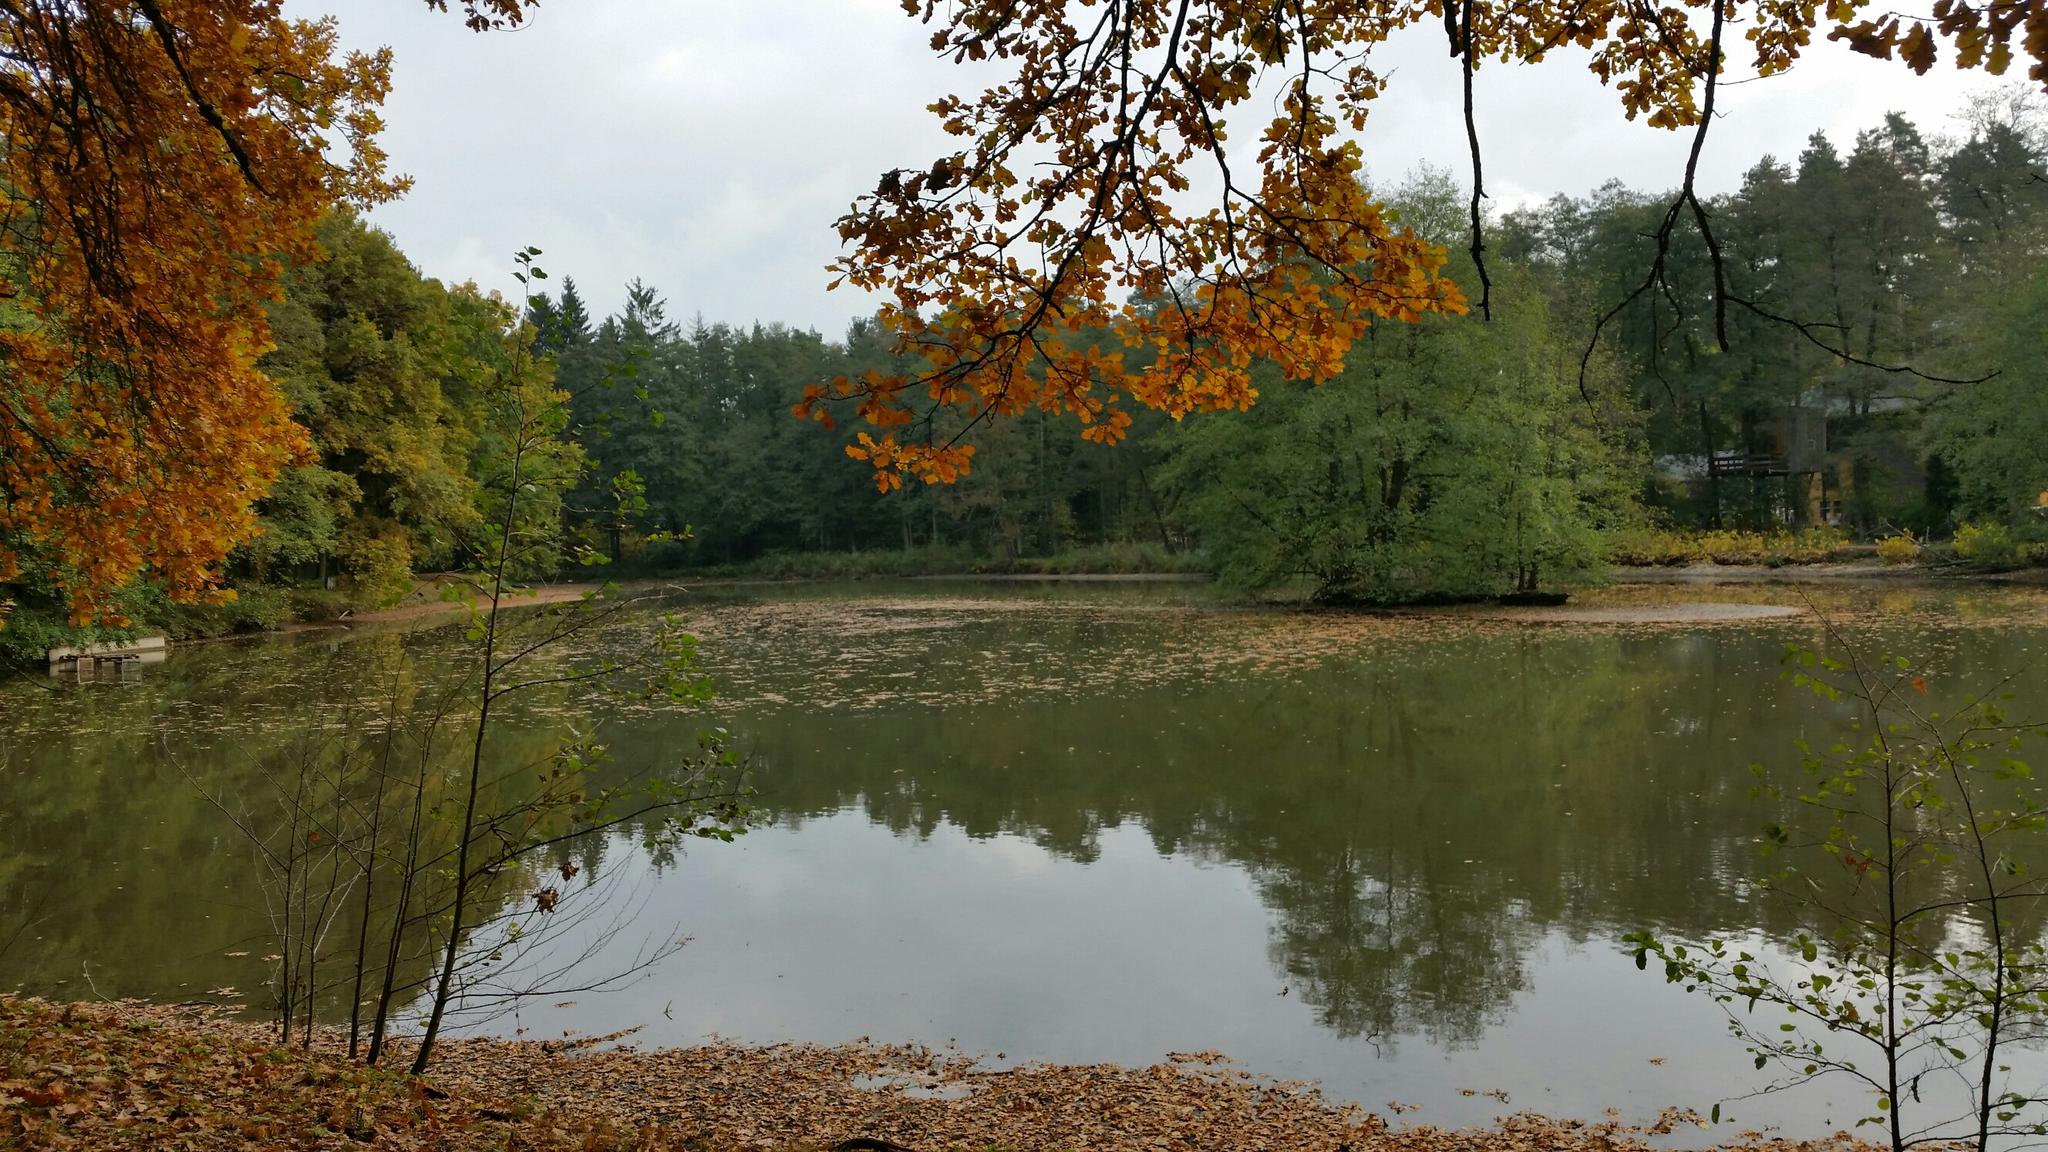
point(707, 146)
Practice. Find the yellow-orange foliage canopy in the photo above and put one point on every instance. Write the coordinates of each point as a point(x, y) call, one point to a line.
point(164, 160)
point(1064, 215)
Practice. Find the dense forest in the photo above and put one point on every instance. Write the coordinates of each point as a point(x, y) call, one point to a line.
point(1501, 447)
point(1886, 375)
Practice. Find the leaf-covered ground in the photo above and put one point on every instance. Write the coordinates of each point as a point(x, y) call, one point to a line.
point(126, 1075)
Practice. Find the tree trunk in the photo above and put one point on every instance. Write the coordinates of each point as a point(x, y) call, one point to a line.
point(1713, 470)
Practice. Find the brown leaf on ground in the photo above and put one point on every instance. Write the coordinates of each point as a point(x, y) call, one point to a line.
point(93, 1076)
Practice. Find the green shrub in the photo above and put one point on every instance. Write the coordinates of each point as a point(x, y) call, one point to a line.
point(257, 608)
point(30, 630)
point(1114, 558)
point(1899, 549)
point(315, 603)
point(1989, 545)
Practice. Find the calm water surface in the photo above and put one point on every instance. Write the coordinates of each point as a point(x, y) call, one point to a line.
point(1080, 823)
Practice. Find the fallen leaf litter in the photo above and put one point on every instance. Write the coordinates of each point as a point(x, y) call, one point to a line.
point(126, 1074)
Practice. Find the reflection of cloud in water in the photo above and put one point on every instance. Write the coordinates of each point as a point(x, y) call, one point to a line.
point(1023, 858)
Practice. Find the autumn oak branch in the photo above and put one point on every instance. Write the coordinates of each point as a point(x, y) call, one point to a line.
point(1104, 281)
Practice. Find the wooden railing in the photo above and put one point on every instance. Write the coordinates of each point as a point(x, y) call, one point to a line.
point(1748, 464)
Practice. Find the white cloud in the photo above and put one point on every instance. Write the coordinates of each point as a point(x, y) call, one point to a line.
point(709, 148)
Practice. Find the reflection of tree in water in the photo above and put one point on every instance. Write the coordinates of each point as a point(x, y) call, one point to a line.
point(1417, 818)
point(1416, 814)
point(1381, 955)
point(118, 876)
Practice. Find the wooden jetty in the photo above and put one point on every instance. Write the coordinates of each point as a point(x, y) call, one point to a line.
point(87, 659)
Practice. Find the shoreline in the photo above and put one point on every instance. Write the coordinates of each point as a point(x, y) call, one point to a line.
point(86, 1074)
point(1694, 575)
point(1824, 573)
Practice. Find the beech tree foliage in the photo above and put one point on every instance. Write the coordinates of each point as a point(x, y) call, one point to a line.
point(164, 160)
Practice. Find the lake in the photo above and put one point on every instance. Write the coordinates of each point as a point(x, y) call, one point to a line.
point(1081, 822)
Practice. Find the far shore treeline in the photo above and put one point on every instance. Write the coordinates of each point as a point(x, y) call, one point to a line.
point(1455, 456)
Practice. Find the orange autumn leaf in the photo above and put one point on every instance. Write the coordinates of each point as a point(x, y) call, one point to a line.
point(165, 160)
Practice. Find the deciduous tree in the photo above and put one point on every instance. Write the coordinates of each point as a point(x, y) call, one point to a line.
point(164, 160)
